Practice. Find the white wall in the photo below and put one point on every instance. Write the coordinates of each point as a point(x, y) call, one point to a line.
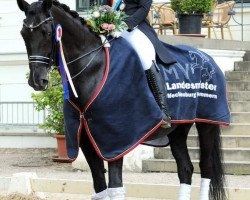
point(11, 23)
point(13, 68)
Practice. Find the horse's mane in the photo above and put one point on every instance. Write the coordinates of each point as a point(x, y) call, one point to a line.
point(73, 13)
point(66, 8)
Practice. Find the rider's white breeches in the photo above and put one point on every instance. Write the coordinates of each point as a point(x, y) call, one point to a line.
point(142, 45)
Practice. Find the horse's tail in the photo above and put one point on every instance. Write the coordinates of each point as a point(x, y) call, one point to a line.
point(217, 186)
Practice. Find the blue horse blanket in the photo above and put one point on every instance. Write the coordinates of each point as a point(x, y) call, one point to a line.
point(123, 113)
point(196, 87)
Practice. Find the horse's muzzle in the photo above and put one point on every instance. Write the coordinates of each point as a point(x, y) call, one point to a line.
point(39, 85)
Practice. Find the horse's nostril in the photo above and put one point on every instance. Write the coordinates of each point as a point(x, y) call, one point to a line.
point(43, 82)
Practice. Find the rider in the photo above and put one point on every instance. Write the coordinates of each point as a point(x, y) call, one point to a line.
point(141, 37)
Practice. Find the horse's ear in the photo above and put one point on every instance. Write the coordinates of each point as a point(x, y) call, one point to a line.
point(47, 4)
point(23, 5)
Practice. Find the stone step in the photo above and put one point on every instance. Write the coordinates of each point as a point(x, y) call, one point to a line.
point(230, 154)
point(242, 66)
point(240, 129)
point(239, 96)
point(163, 165)
point(238, 86)
point(239, 106)
point(228, 141)
point(236, 129)
point(240, 117)
point(237, 76)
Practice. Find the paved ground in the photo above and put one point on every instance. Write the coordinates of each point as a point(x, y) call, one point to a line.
point(39, 161)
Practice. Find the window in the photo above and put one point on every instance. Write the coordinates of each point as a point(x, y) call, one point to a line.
point(84, 5)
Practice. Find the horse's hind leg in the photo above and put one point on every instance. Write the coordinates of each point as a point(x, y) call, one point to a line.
point(178, 144)
point(210, 162)
point(116, 190)
point(96, 165)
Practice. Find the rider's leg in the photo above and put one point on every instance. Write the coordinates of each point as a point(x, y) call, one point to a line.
point(157, 86)
point(96, 165)
point(116, 190)
point(146, 52)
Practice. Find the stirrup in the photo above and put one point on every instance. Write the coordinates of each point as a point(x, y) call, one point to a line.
point(166, 122)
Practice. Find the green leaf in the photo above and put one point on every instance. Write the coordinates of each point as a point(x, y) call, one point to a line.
point(192, 6)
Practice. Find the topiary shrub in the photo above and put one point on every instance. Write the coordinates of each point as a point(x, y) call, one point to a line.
point(191, 6)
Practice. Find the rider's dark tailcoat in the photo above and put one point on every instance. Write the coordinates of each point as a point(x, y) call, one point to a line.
point(138, 11)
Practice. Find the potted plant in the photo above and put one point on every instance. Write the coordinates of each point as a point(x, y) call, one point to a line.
point(190, 14)
point(51, 100)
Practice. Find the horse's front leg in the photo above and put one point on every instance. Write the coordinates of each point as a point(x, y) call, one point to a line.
point(96, 165)
point(116, 190)
point(178, 144)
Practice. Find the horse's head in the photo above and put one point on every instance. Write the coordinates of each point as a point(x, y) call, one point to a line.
point(37, 33)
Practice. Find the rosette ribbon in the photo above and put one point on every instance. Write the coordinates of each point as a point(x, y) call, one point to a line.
point(117, 4)
point(66, 77)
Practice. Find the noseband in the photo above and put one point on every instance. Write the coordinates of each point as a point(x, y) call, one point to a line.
point(38, 58)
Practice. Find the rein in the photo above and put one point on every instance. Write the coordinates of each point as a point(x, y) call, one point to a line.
point(98, 49)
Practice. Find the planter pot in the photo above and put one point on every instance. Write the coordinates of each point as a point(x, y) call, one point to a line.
point(190, 23)
point(61, 149)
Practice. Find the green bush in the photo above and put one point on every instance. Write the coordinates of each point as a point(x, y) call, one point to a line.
point(191, 6)
point(51, 100)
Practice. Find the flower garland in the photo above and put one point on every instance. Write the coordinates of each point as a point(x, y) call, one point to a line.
point(106, 21)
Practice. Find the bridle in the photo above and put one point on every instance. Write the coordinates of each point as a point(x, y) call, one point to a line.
point(53, 55)
point(39, 58)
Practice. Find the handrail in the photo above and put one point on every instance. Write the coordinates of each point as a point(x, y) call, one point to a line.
point(20, 114)
point(242, 18)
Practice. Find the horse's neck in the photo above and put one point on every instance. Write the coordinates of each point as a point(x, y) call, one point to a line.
point(78, 40)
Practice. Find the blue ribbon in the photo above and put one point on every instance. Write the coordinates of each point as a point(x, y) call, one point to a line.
point(117, 4)
point(64, 77)
point(61, 67)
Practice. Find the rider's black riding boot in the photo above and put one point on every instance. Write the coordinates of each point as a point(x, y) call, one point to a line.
point(158, 88)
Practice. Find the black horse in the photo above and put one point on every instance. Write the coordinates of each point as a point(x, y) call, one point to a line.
point(82, 43)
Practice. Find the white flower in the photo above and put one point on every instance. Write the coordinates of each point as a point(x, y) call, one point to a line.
point(104, 20)
point(96, 14)
point(123, 25)
point(116, 34)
